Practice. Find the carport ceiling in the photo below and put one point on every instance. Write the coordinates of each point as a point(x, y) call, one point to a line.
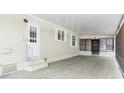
point(86, 24)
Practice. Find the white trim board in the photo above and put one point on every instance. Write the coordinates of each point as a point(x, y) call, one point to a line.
point(19, 66)
point(87, 53)
point(35, 65)
point(54, 59)
point(105, 54)
point(93, 37)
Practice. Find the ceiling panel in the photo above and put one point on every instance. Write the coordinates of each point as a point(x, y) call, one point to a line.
point(86, 24)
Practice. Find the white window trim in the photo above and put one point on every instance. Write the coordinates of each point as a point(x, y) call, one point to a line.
point(75, 42)
point(56, 35)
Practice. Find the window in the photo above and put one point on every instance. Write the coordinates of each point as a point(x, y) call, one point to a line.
point(33, 34)
point(103, 45)
point(85, 44)
point(60, 35)
point(73, 40)
point(63, 36)
point(109, 44)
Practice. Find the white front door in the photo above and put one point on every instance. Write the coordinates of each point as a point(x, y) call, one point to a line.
point(33, 44)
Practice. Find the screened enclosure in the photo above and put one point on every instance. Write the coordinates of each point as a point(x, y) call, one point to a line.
point(106, 44)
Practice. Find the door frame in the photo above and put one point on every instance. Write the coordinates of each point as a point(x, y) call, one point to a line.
point(97, 52)
point(30, 54)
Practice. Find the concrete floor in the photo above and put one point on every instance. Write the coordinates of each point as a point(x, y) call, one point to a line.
point(80, 67)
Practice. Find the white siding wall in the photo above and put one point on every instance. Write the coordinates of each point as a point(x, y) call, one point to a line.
point(12, 31)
